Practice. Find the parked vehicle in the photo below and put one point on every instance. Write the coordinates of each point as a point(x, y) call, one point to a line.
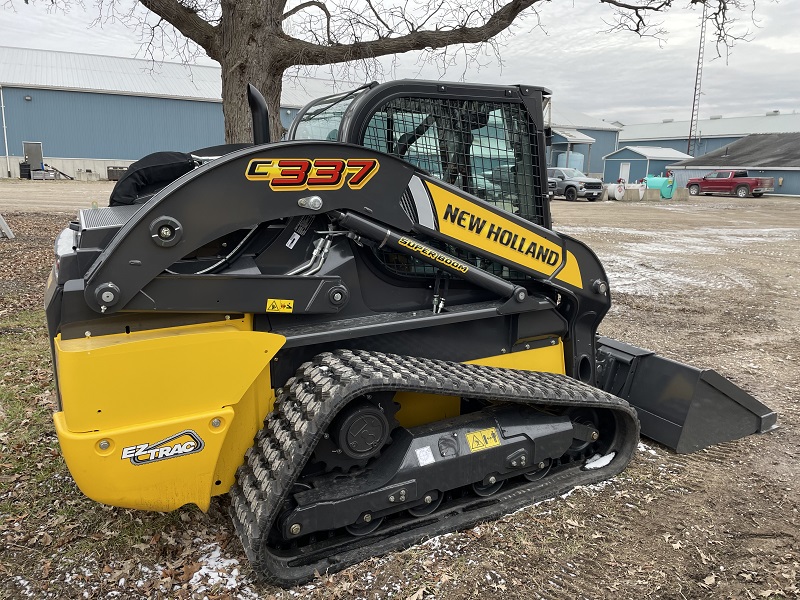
point(572, 184)
point(731, 182)
point(552, 186)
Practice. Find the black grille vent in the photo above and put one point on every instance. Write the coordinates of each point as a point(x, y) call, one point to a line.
point(408, 206)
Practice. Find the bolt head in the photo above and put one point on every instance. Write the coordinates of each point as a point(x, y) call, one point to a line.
point(492, 480)
point(595, 435)
point(104, 445)
point(216, 422)
point(522, 460)
point(107, 296)
point(428, 499)
point(165, 232)
point(391, 498)
point(513, 463)
point(295, 529)
point(337, 296)
point(367, 518)
point(540, 465)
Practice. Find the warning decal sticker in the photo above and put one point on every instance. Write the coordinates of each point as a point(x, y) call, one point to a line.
point(482, 439)
point(280, 305)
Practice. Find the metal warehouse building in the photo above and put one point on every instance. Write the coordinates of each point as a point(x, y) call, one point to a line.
point(633, 163)
point(94, 112)
point(713, 133)
point(774, 155)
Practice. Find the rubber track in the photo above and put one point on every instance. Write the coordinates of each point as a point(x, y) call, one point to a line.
point(307, 404)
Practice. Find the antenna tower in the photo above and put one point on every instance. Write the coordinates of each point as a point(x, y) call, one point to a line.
point(690, 150)
point(697, 84)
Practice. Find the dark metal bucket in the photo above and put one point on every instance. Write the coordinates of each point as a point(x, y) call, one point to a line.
point(680, 406)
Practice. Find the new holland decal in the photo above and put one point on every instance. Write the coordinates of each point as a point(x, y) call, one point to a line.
point(486, 230)
point(295, 174)
point(181, 444)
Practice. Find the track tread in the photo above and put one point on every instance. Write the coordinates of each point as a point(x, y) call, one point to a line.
point(309, 401)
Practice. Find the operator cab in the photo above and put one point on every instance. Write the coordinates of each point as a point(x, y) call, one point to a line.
point(483, 139)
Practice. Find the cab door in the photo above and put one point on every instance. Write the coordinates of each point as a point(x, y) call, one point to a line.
point(721, 182)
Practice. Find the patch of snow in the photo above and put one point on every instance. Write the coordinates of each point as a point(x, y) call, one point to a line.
point(645, 448)
point(25, 586)
point(597, 461)
point(647, 262)
point(219, 571)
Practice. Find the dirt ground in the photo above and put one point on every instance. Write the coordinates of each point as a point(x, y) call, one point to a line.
point(712, 281)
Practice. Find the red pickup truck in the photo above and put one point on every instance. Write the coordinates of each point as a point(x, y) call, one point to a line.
point(731, 182)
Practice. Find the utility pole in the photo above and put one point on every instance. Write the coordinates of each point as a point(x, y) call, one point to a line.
point(691, 147)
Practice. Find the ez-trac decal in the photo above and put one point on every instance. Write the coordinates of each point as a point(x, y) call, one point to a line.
point(296, 174)
point(181, 444)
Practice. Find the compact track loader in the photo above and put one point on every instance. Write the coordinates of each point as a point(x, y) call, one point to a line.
point(366, 335)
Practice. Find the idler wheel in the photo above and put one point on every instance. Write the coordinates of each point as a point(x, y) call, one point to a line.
point(540, 472)
point(364, 527)
point(487, 490)
point(423, 510)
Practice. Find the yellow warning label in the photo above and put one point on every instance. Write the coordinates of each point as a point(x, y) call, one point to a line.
point(279, 305)
point(483, 439)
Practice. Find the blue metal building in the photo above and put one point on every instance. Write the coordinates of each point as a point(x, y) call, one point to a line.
point(92, 112)
point(633, 163)
point(580, 141)
point(712, 133)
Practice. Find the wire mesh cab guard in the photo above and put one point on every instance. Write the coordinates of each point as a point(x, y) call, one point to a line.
point(489, 140)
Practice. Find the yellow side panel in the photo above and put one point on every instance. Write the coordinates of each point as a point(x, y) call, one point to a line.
point(108, 475)
point(115, 380)
point(135, 405)
point(548, 359)
point(418, 409)
point(249, 419)
point(464, 220)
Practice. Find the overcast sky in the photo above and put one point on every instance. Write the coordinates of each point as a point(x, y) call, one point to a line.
point(613, 76)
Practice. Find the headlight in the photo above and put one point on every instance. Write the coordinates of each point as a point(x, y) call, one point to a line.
point(581, 186)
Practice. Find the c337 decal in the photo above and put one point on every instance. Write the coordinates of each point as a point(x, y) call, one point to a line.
point(180, 444)
point(295, 174)
point(489, 231)
point(415, 246)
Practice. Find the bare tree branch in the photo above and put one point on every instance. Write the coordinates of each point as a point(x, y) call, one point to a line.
point(303, 52)
point(188, 22)
point(308, 4)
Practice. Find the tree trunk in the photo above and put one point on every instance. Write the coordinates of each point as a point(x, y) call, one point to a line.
point(249, 54)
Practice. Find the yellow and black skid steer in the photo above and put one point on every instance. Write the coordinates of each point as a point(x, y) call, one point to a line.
point(366, 335)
